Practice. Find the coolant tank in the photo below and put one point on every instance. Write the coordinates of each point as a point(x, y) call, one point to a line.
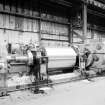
point(63, 57)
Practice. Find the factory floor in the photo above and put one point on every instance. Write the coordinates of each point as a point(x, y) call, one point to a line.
point(83, 92)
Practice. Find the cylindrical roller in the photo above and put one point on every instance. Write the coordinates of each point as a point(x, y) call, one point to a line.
point(25, 58)
point(63, 57)
point(17, 58)
point(21, 58)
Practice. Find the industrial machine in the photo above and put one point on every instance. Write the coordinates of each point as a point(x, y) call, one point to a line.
point(24, 66)
point(29, 66)
point(96, 56)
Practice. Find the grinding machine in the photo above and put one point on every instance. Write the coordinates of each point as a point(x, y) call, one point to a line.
point(24, 66)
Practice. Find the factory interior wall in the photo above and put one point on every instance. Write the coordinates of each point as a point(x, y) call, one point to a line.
point(24, 25)
point(91, 35)
point(95, 30)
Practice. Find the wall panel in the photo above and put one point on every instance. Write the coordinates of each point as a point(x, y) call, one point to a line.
point(25, 29)
point(1, 21)
point(12, 22)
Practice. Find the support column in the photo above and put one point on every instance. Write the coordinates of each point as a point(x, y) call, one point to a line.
point(71, 32)
point(39, 6)
point(84, 12)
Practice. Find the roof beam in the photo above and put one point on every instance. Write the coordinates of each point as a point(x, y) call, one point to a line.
point(97, 3)
point(96, 13)
point(103, 1)
point(62, 2)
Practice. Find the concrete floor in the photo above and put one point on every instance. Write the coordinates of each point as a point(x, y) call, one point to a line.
point(77, 93)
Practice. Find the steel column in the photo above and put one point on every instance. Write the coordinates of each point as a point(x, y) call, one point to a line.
point(84, 11)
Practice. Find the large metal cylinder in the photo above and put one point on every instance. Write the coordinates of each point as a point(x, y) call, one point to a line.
point(63, 57)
